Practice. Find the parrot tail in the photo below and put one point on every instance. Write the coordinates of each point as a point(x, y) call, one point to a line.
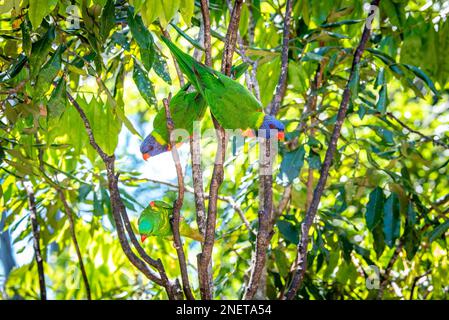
point(189, 232)
point(187, 64)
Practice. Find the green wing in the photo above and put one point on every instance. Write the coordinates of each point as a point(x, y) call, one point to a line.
point(185, 108)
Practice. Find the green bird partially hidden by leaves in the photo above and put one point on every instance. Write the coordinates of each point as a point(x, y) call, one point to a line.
point(155, 221)
point(233, 105)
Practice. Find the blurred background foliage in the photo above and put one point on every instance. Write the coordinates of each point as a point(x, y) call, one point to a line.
point(386, 203)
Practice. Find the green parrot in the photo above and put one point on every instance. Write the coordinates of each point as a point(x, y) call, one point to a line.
point(185, 108)
point(234, 106)
point(155, 221)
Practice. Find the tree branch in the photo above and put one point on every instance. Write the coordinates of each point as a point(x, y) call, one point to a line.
point(300, 264)
point(266, 172)
point(206, 225)
point(206, 27)
point(36, 244)
point(204, 272)
point(177, 206)
point(275, 104)
point(121, 218)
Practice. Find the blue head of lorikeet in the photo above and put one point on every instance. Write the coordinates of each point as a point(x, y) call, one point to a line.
point(150, 147)
point(271, 123)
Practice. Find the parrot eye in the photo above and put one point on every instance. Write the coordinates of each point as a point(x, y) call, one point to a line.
point(151, 148)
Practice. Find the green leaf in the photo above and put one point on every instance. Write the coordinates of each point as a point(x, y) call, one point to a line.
point(98, 206)
point(392, 221)
point(439, 231)
point(48, 72)
point(288, 231)
point(143, 38)
point(105, 124)
point(144, 84)
point(379, 239)
point(58, 100)
point(107, 19)
point(374, 208)
point(161, 68)
point(187, 9)
point(83, 191)
point(40, 50)
point(39, 9)
point(423, 76)
point(121, 115)
point(14, 68)
point(381, 104)
point(291, 165)
point(385, 134)
point(411, 241)
point(314, 160)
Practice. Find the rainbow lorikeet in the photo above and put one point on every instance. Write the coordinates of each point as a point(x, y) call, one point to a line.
point(155, 221)
point(185, 108)
point(234, 106)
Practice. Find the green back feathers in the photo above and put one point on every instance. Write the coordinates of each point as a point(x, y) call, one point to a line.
point(234, 106)
point(185, 108)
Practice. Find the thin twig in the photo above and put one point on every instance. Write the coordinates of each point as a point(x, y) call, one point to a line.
point(175, 63)
point(207, 36)
point(174, 221)
point(266, 177)
point(204, 272)
point(415, 281)
point(36, 239)
point(300, 264)
point(423, 136)
point(206, 224)
point(275, 104)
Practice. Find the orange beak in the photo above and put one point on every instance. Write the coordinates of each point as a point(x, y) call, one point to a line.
point(152, 204)
point(142, 238)
point(146, 156)
point(281, 136)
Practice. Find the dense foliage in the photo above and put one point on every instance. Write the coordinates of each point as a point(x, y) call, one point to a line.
point(385, 208)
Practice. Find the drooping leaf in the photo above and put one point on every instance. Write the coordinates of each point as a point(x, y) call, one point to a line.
point(392, 221)
point(288, 231)
point(439, 231)
point(144, 85)
point(291, 165)
point(161, 68)
point(143, 38)
point(58, 100)
point(39, 9)
point(374, 208)
point(107, 19)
